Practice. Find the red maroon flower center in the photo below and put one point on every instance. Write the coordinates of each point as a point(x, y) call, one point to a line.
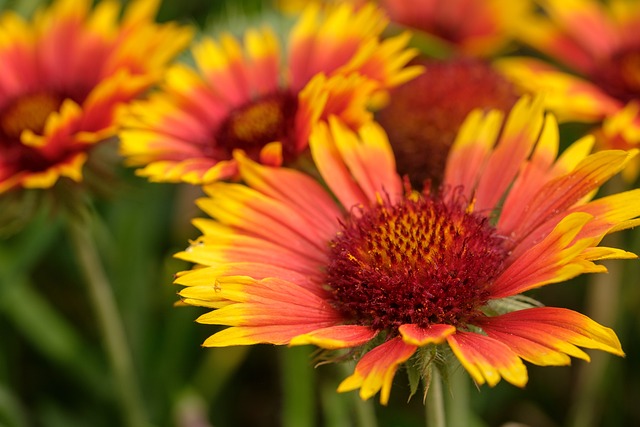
point(423, 116)
point(421, 261)
point(620, 76)
point(28, 112)
point(253, 125)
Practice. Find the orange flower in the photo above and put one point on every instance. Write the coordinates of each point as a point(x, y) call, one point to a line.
point(241, 98)
point(598, 41)
point(395, 274)
point(471, 27)
point(63, 78)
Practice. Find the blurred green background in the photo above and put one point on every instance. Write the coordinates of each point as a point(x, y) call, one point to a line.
point(54, 372)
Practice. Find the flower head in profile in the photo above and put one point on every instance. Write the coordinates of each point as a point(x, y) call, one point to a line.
point(243, 97)
point(394, 275)
point(599, 43)
point(63, 77)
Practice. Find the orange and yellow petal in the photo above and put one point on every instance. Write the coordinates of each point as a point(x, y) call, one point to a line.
point(346, 97)
point(375, 371)
point(533, 174)
point(542, 168)
point(581, 33)
point(256, 214)
point(548, 336)
point(587, 23)
point(205, 275)
point(385, 61)
point(230, 246)
point(335, 337)
point(570, 97)
point(611, 213)
point(547, 37)
point(245, 228)
point(70, 168)
point(192, 171)
point(269, 310)
point(470, 150)
point(263, 48)
point(223, 63)
point(324, 43)
point(517, 140)
point(160, 42)
point(358, 168)
point(487, 360)
point(471, 27)
point(298, 191)
point(621, 130)
point(545, 207)
point(554, 259)
point(433, 334)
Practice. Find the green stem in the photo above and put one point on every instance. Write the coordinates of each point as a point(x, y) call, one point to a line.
point(109, 321)
point(435, 401)
point(298, 383)
point(335, 410)
point(365, 410)
point(458, 402)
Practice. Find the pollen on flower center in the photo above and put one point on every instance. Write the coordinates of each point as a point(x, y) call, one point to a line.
point(421, 261)
point(28, 112)
point(252, 126)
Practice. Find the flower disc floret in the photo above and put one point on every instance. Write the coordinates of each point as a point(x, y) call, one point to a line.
point(421, 261)
point(257, 123)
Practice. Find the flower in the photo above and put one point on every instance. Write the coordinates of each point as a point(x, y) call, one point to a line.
point(470, 27)
point(242, 98)
point(64, 76)
point(599, 42)
point(398, 274)
point(423, 116)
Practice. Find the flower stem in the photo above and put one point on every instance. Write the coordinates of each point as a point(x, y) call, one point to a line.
point(109, 321)
point(365, 411)
point(298, 378)
point(458, 402)
point(435, 401)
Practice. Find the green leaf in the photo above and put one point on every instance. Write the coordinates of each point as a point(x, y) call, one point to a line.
point(12, 414)
point(414, 373)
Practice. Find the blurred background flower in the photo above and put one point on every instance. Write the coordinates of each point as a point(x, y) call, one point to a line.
point(64, 76)
point(63, 79)
point(248, 97)
point(592, 72)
